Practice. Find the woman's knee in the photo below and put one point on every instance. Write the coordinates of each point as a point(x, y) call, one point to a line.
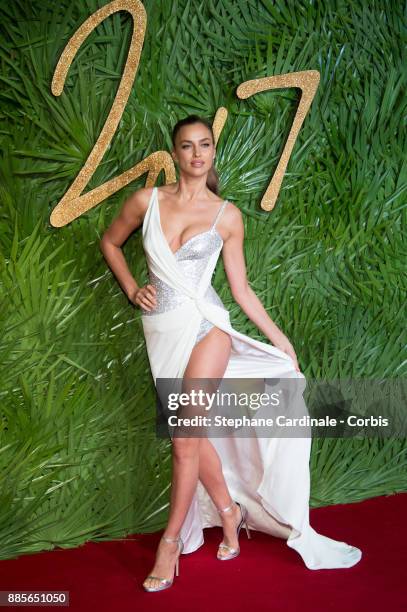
point(185, 448)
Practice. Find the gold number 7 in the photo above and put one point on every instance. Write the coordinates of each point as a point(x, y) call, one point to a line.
point(307, 81)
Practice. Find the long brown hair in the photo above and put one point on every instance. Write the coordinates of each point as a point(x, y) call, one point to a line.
point(212, 181)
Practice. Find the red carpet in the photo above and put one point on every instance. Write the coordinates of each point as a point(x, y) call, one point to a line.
point(266, 576)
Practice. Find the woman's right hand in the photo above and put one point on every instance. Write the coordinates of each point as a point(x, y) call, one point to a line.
point(145, 297)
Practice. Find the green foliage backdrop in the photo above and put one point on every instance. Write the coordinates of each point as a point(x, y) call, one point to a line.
point(78, 454)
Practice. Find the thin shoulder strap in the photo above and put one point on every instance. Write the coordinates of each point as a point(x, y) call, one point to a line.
point(220, 211)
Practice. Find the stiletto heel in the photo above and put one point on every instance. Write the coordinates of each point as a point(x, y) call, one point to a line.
point(233, 552)
point(167, 582)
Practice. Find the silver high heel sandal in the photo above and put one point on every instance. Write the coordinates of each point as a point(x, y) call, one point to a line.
point(167, 582)
point(233, 552)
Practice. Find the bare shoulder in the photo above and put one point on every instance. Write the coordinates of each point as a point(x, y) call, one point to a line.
point(135, 207)
point(233, 211)
point(231, 222)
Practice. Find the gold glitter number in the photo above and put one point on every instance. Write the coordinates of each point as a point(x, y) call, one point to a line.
point(73, 204)
point(307, 81)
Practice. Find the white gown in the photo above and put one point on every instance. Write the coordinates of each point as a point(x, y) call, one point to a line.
point(270, 476)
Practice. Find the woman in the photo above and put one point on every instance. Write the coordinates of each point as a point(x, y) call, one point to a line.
point(188, 335)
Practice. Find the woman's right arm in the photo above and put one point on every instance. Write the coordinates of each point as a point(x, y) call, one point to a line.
point(130, 218)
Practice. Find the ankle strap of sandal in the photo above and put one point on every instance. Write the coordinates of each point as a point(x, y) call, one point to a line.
point(171, 539)
point(226, 509)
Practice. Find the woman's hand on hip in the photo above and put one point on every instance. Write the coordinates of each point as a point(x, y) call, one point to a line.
point(144, 297)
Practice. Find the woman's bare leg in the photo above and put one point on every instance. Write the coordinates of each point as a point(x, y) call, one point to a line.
point(208, 359)
point(212, 478)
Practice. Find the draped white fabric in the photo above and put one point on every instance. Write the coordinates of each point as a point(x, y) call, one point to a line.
point(270, 476)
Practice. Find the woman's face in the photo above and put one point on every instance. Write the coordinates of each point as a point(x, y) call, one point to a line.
point(194, 149)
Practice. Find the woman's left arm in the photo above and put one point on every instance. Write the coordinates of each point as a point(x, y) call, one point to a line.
point(235, 268)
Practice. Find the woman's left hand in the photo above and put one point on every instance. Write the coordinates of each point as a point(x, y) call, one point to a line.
point(285, 345)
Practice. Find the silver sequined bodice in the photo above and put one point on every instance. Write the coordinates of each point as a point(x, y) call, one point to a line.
point(192, 258)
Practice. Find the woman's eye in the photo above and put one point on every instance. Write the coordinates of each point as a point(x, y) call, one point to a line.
point(205, 144)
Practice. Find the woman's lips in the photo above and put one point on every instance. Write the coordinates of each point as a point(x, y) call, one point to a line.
point(197, 163)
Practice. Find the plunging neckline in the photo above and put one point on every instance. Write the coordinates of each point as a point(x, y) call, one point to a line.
point(211, 229)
